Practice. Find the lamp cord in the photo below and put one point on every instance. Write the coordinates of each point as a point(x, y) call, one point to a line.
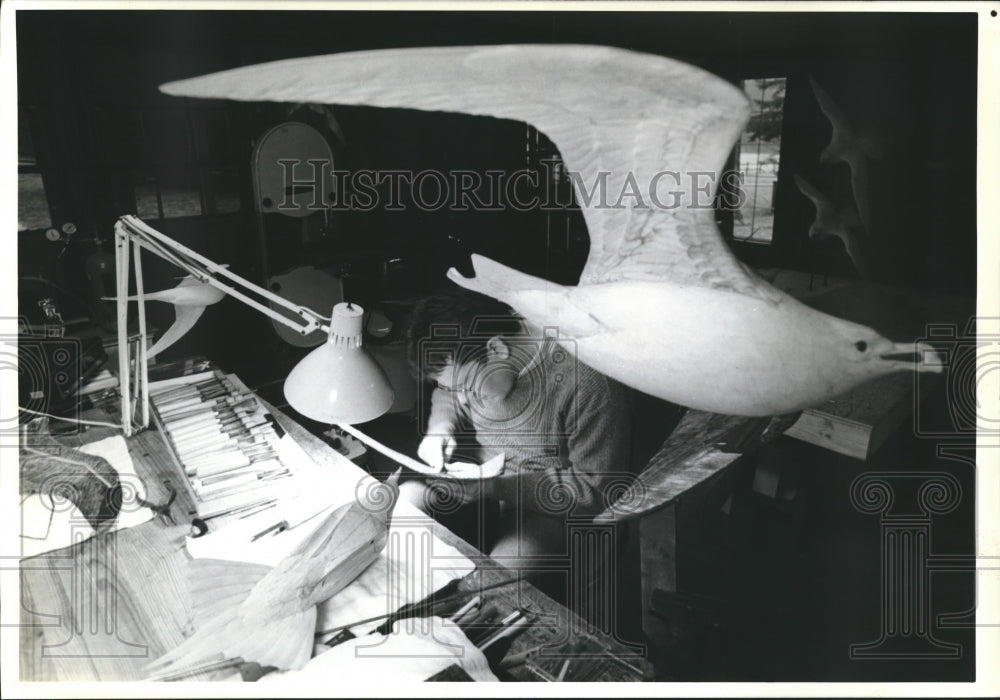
point(392, 454)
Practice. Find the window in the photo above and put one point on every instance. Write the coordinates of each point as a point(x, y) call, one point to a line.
point(189, 170)
point(756, 157)
point(173, 162)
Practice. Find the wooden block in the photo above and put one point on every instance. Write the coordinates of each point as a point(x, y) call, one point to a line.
point(858, 422)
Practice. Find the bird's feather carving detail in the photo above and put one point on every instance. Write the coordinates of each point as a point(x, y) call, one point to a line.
point(268, 615)
point(636, 129)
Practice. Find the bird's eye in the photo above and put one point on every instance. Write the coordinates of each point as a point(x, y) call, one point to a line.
point(861, 345)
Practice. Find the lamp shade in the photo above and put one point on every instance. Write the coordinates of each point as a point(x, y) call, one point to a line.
point(339, 382)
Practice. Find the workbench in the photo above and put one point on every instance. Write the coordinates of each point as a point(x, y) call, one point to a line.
point(103, 608)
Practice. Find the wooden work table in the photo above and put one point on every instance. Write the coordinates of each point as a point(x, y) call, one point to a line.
point(104, 608)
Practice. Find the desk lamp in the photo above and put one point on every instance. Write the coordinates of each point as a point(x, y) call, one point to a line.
point(338, 382)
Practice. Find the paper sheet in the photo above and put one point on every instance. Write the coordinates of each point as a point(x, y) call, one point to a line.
point(302, 498)
point(44, 529)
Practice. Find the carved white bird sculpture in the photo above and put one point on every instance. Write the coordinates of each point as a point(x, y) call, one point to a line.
point(662, 304)
point(848, 146)
point(267, 615)
point(189, 298)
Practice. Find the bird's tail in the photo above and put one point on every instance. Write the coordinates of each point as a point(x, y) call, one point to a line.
point(545, 303)
point(499, 281)
point(223, 633)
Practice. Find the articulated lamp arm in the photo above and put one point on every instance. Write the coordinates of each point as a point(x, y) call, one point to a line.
point(219, 276)
point(337, 382)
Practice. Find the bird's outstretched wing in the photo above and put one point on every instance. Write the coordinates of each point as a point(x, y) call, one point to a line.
point(218, 589)
point(186, 317)
point(847, 146)
point(831, 222)
point(189, 298)
point(267, 615)
point(188, 292)
point(636, 126)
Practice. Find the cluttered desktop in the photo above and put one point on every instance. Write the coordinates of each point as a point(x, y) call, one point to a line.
point(437, 364)
point(210, 536)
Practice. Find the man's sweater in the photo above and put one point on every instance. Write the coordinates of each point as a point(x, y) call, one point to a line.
point(565, 430)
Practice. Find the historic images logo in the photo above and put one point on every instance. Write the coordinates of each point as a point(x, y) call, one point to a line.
point(48, 370)
point(522, 190)
point(906, 503)
point(970, 358)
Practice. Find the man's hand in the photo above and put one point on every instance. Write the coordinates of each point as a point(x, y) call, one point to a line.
point(436, 450)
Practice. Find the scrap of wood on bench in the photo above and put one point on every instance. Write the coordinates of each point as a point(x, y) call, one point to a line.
point(700, 446)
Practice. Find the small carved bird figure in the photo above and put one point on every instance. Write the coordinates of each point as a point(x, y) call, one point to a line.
point(189, 298)
point(267, 615)
point(833, 223)
point(848, 146)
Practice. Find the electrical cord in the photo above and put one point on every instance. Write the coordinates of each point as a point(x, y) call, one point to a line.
point(79, 421)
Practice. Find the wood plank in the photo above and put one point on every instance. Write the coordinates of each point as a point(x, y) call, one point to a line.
point(700, 446)
point(858, 422)
point(114, 602)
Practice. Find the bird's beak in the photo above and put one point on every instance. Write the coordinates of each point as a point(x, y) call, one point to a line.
point(918, 356)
